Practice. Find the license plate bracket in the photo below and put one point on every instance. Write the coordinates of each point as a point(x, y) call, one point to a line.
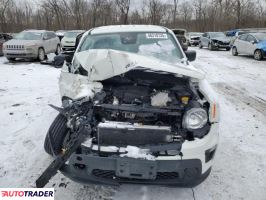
point(136, 168)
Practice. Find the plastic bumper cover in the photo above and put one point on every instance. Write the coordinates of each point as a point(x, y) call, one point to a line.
point(118, 170)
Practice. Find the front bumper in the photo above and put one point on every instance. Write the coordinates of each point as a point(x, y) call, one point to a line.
point(105, 170)
point(68, 47)
point(194, 42)
point(264, 53)
point(21, 53)
point(189, 170)
point(219, 46)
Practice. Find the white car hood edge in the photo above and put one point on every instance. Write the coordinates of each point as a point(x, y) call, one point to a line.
point(102, 64)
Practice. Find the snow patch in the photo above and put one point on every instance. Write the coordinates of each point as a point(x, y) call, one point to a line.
point(135, 152)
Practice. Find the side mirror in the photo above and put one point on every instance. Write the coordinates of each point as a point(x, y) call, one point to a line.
point(191, 55)
point(253, 42)
point(68, 58)
point(45, 38)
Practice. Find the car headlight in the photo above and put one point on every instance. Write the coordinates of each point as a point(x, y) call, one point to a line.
point(195, 118)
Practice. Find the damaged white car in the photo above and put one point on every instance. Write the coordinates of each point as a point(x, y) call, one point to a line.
point(134, 111)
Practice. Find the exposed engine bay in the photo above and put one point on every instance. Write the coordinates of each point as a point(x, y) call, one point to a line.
point(142, 107)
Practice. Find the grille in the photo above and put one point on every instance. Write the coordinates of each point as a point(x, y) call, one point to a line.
point(110, 174)
point(15, 46)
point(223, 43)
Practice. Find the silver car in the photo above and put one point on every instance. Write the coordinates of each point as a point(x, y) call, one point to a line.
point(35, 44)
point(251, 44)
point(214, 40)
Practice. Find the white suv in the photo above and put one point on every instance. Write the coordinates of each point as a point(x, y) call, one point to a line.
point(141, 112)
point(34, 44)
point(69, 40)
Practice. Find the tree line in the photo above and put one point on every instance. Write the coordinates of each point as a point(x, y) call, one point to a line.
point(193, 15)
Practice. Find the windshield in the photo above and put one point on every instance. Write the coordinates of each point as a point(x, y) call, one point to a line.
point(72, 34)
point(159, 45)
point(29, 36)
point(261, 36)
point(217, 34)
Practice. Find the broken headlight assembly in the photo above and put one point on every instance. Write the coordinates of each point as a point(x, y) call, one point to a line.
point(195, 118)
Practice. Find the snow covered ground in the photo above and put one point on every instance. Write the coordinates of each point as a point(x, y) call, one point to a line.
point(239, 172)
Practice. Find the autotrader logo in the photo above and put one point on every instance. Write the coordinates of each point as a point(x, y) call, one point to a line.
point(27, 193)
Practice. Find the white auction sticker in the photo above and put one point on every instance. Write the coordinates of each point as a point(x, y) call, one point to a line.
point(156, 35)
point(27, 193)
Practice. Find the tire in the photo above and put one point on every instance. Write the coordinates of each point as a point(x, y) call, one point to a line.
point(41, 54)
point(58, 50)
point(200, 45)
point(258, 55)
point(58, 131)
point(234, 51)
point(210, 47)
point(11, 59)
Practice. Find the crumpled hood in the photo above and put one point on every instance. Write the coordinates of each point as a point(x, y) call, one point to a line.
point(222, 39)
point(21, 42)
point(102, 64)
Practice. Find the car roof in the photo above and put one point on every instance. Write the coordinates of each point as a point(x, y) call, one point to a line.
point(128, 28)
point(36, 31)
point(255, 34)
point(76, 31)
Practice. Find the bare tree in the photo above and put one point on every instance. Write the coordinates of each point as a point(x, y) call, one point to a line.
point(123, 6)
point(4, 4)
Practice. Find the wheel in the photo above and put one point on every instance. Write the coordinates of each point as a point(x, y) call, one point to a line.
point(11, 59)
point(58, 50)
point(41, 54)
point(58, 131)
point(210, 47)
point(258, 55)
point(234, 51)
point(228, 49)
point(200, 45)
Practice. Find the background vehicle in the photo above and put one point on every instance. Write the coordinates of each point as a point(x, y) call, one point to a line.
point(60, 34)
point(69, 40)
point(215, 40)
point(149, 117)
point(194, 38)
point(181, 36)
point(3, 38)
point(251, 44)
point(32, 44)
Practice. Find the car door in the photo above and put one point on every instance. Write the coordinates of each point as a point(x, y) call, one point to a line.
point(240, 43)
point(208, 39)
point(203, 39)
point(250, 45)
point(46, 43)
point(52, 42)
point(55, 41)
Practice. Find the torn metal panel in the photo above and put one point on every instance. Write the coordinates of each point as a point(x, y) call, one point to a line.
point(75, 86)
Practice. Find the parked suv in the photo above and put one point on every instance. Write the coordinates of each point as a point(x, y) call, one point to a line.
point(134, 111)
point(69, 40)
point(214, 40)
point(251, 44)
point(32, 44)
